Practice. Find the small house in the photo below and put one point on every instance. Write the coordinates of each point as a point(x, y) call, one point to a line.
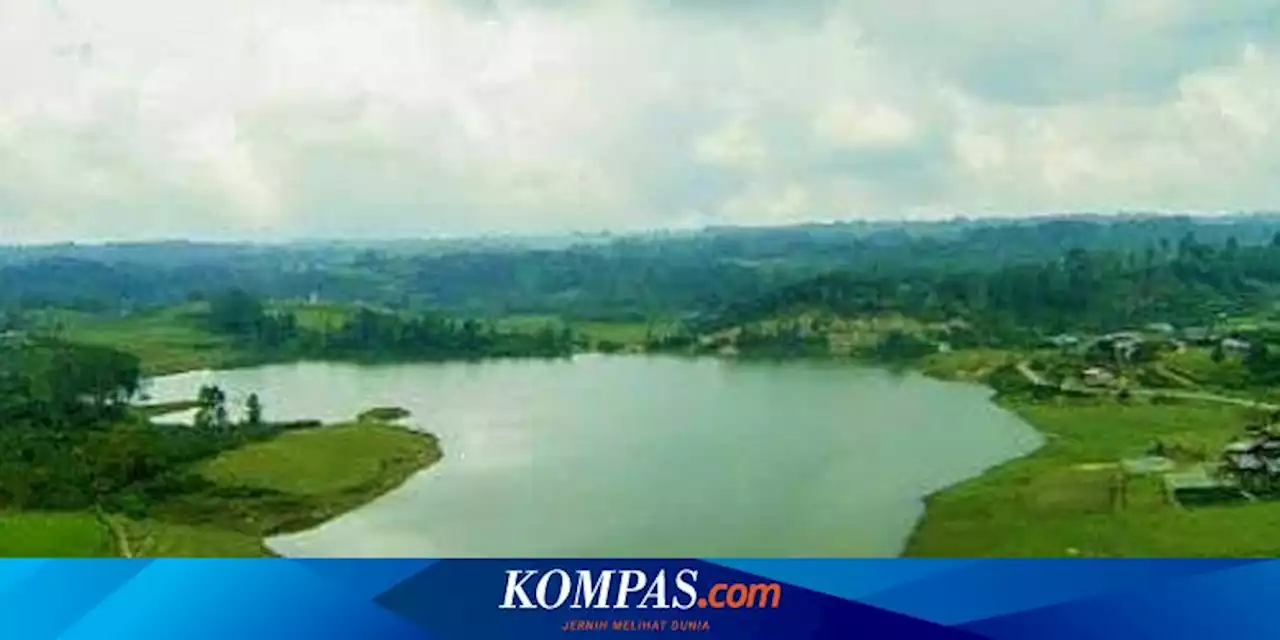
point(1123, 344)
point(1126, 345)
point(1197, 335)
point(1241, 446)
point(1235, 345)
point(1122, 336)
point(1163, 328)
point(1064, 341)
point(1198, 486)
point(1126, 349)
point(1097, 376)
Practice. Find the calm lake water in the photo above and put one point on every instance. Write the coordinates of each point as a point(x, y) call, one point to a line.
point(644, 456)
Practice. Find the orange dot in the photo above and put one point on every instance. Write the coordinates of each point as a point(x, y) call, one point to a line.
point(702, 603)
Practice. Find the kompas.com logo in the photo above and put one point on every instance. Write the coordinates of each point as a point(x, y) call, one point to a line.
point(631, 589)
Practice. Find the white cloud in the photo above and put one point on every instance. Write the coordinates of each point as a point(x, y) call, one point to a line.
point(126, 118)
point(872, 126)
point(771, 204)
point(733, 145)
point(1210, 146)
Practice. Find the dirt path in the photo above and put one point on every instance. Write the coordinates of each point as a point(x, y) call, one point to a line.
point(1206, 397)
point(1032, 375)
point(1175, 377)
point(117, 532)
point(1039, 380)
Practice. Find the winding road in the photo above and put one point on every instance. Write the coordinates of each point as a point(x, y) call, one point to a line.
point(1036, 378)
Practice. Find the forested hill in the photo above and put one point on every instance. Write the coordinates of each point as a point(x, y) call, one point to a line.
point(1189, 282)
point(665, 273)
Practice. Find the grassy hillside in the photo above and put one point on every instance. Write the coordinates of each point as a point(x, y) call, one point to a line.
point(167, 340)
point(41, 534)
point(322, 462)
point(290, 483)
point(1059, 501)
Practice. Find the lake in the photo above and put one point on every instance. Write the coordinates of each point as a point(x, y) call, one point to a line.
point(644, 456)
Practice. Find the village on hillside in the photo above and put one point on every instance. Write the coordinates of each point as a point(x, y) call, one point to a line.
point(1164, 363)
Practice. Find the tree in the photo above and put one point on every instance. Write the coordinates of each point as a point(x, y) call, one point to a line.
point(212, 408)
point(236, 312)
point(61, 384)
point(1261, 364)
point(204, 408)
point(1218, 354)
point(900, 345)
point(1232, 248)
point(253, 410)
point(220, 416)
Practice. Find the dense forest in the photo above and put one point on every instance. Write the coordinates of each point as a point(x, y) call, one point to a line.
point(70, 440)
point(1188, 283)
point(629, 277)
point(370, 334)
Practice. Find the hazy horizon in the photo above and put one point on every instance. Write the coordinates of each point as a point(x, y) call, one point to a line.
point(480, 237)
point(127, 120)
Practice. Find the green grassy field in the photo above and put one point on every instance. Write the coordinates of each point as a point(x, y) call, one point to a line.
point(319, 462)
point(293, 482)
point(1197, 364)
point(174, 339)
point(167, 341)
point(320, 316)
point(1059, 500)
point(623, 333)
point(153, 539)
point(968, 364)
point(43, 534)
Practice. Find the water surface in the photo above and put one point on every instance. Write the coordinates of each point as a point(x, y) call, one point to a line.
point(644, 456)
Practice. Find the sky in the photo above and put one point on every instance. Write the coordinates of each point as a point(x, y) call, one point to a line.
point(135, 119)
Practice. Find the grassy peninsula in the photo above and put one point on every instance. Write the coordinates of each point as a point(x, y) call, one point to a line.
point(84, 471)
point(289, 483)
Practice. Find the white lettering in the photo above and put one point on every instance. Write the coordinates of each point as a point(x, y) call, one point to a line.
point(515, 589)
point(657, 591)
point(541, 592)
point(588, 590)
point(632, 582)
point(686, 587)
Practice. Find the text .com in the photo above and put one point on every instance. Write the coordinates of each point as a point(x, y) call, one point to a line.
point(631, 589)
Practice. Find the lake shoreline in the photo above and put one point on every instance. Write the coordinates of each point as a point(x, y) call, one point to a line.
point(880, 377)
point(290, 484)
point(254, 493)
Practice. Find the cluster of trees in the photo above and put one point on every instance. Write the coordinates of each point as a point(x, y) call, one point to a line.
point(674, 339)
point(784, 339)
point(1186, 283)
point(59, 403)
point(900, 345)
point(212, 412)
point(54, 384)
point(367, 333)
point(1262, 365)
point(620, 278)
point(69, 439)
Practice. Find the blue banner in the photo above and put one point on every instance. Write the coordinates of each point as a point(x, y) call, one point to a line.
point(469, 599)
